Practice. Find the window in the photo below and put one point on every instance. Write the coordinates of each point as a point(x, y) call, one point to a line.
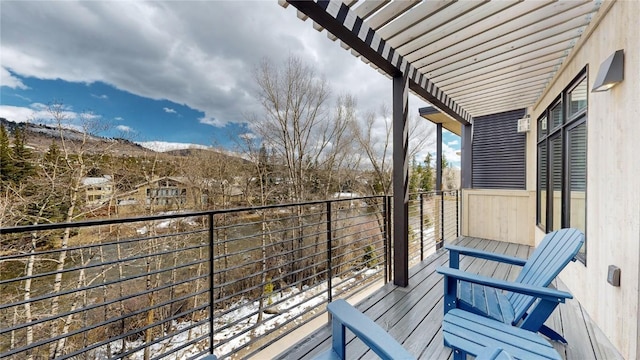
point(578, 98)
point(542, 128)
point(168, 195)
point(555, 114)
point(542, 184)
point(562, 161)
point(555, 181)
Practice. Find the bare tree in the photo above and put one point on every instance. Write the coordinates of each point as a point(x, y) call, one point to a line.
point(374, 137)
point(54, 195)
point(307, 140)
point(339, 157)
point(74, 164)
point(294, 101)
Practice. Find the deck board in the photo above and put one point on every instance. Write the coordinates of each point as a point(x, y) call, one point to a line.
point(413, 315)
point(599, 340)
point(555, 322)
point(574, 330)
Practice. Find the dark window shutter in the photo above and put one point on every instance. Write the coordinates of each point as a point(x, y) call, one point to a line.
point(499, 158)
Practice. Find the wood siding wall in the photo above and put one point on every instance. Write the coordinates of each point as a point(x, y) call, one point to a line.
point(504, 215)
point(613, 179)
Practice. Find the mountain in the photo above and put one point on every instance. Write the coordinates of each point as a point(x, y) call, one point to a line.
point(164, 146)
point(39, 137)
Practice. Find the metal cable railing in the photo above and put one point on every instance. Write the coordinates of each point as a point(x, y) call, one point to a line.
point(153, 287)
point(433, 219)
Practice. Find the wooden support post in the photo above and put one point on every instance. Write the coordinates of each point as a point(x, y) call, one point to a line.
point(400, 182)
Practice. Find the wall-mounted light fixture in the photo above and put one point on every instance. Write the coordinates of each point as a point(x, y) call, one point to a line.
point(611, 72)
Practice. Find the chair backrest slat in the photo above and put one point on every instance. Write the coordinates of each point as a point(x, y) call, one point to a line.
point(555, 251)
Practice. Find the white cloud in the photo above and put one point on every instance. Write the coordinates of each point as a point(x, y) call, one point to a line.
point(212, 121)
point(169, 110)
point(17, 113)
point(453, 142)
point(22, 97)
point(124, 128)
point(118, 118)
point(200, 54)
point(101, 97)
point(451, 154)
point(38, 113)
point(35, 113)
point(248, 136)
point(8, 80)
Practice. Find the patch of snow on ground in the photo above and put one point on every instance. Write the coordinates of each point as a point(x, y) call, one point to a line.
point(165, 224)
point(290, 303)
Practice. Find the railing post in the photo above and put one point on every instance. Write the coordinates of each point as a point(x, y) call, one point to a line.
point(386, 211)
point(441, 220)
point(457, 215)
point(211, 282)
point(329, 255)
point(421, 229)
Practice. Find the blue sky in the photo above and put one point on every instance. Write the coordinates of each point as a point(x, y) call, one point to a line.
point(127, 115)
point(175, 71)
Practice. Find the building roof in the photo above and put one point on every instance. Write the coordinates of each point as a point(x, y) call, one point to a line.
point(88, 181)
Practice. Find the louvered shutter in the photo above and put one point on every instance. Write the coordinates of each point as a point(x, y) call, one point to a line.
point(499, 154)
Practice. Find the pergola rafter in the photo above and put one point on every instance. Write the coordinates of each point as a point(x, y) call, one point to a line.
point(344, 23)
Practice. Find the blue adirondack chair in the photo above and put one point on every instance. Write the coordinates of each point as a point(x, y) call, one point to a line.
point(527, 302)
point(488, 339)
point(467, 333)
point(343, 315)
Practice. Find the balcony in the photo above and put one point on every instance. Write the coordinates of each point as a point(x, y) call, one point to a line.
point(413, 315)
point(144, 286)
point(153, 287)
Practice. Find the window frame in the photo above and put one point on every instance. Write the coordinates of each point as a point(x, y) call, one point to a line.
point(544, 141)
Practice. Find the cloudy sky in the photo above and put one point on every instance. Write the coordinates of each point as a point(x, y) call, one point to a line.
point(177, 71)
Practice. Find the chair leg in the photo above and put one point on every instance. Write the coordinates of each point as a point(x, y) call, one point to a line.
point(450, 293)
point(551, 334)
point(459, 354)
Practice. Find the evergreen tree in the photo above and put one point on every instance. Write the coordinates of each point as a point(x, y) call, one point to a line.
point(426, 182)
point(53, 203)
point(445, 163)
point(21, 157)
point(6, 162)
point(415, 177)
point(52, 157)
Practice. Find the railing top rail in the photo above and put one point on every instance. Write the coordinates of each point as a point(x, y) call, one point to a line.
point(56, 226)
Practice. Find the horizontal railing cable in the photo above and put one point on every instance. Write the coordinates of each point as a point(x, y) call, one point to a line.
point(164, 284)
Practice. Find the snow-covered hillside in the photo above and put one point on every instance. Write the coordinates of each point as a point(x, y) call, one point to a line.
point(162, 146)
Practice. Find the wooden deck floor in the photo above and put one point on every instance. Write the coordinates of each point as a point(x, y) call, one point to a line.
point(413, 315)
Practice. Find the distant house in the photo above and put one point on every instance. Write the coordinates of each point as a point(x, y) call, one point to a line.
point(97, 190)
point(166, 191)
point(174, 193)
point(163, 193)
point(222, 191)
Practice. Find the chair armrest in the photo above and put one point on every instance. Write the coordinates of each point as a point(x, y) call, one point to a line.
point(486, 255)
point(378, 340)
point(535, 291)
